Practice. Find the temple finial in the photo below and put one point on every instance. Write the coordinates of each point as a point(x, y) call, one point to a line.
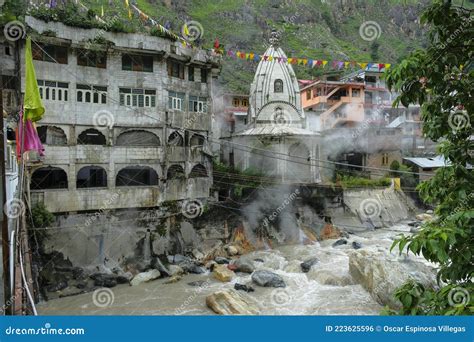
point(274, 38)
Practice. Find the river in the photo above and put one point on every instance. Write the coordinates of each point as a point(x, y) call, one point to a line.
point(327, 289)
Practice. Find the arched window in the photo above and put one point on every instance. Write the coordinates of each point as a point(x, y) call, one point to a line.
point(278, 86)
point(136, 176)
point(197, 140)
point(51, 135)
point(91, 177)
point(175, 139)
point(137, 138)
point(198, 171)
point(48, 178)
point(91, 136)
point(175, 172)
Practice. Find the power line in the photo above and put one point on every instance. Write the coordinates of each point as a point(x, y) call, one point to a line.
point(252, 149)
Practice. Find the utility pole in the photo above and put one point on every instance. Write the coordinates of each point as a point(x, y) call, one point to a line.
point(5, 234)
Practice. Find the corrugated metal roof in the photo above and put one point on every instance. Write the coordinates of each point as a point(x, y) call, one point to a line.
point(434, 162)
point(276, 130)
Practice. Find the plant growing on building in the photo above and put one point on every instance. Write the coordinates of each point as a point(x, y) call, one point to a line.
point(38, 219)
point(440, 79)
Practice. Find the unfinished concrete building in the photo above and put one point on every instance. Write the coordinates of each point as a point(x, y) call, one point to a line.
point(131, 114)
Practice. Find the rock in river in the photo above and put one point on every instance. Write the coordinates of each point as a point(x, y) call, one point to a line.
point(231, 303)
point(244, 265)
point(306, 266)
point(381, 274)
point(267, 279)
point(243, 287)
point(340, 242)
point(222, 273)
point(104, 280)
point(221, 260)
point(356, 245)
point(144, 276)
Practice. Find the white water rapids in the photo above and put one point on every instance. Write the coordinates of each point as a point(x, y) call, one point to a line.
point(327, 289)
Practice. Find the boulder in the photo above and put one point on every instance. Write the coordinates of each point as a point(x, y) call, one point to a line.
point(242, 287)
point(144, 277)
point(121, 279)
point(192, 267)
point(175, 270)
point(415, 230)
point(258, 260)
point(306, 265)
point(232, 250)
point(267, 279)
point(381, 274)
point(104, 280)
point(222, 273)
point(221, 260)
point(340, 242)
point(158, 264)
point(210, 265)
point(244, 265)
point(176, 259)
point(61, 285)
point(197, 254)
point(231, 303)
point(424, 217)
point(356, 245)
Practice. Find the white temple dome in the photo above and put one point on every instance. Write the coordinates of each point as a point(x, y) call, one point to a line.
point(274, 92)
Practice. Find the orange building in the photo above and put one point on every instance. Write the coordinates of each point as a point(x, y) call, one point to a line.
point(338, 103)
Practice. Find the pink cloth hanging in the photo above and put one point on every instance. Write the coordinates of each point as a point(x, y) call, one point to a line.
point(31, 140)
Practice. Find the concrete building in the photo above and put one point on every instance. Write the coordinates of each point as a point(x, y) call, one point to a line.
point(275, 142)
point(127, 119)
point(353, 115)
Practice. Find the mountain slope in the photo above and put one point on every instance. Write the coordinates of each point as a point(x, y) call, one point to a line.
point(318, 29)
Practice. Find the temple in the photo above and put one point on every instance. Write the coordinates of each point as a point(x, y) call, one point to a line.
point(280, 145)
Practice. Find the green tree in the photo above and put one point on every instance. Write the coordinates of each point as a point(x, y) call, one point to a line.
point(440, 78)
